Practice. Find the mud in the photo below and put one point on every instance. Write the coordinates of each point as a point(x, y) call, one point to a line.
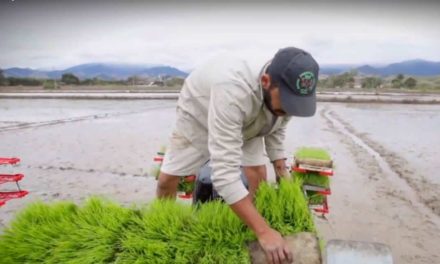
point(72, 149)
point(344, 97)
point(425, 190)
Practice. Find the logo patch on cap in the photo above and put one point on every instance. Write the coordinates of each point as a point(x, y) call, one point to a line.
point(305, 83)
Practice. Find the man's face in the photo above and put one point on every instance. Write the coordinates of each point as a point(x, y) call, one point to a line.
point(272, 98)
point(273, 101)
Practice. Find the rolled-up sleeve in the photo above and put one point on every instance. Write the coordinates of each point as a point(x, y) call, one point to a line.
point(275, 142)
point(225, 141)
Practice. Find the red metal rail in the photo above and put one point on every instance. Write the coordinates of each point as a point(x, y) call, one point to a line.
point(11, 161)
point(326, 172)
point(10, 178)
point(324, 209)
point(6, 196)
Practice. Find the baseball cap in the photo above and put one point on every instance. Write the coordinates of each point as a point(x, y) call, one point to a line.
point(297, 74)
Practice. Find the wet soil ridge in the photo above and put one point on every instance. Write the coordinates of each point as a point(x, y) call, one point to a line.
point(421, 189)
point(93, 171)
point(25, 125)
point(425, 190)
point(379, 99)
point(396, 214)
point(346, 97)
point(91, 95)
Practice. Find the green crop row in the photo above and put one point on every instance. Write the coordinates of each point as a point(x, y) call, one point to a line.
point(163, 231)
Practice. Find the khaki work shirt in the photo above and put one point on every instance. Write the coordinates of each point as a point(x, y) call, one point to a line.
point(220, 107)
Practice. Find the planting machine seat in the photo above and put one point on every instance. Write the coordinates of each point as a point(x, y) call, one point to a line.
point(4, 178)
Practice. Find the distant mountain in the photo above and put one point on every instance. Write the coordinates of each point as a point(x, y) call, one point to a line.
point(122, 71)
point(330, 69)
point(24, 72)
point(99, 70)
point(410, 67)
point(368, 70)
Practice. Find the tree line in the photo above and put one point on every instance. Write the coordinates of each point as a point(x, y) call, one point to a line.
point(71, 79)
point(67, 78)
point(344, 80)
point(348, 80)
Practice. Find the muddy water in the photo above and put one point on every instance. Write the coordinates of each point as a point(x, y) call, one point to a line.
point(411, 131)
point(43, 133)
point(40, 110)
point(71, 149)
point(115, 135)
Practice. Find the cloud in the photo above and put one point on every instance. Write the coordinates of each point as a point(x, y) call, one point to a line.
point(183, 34)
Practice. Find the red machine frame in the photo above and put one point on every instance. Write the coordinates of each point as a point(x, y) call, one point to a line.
point(322, 208)
point(4, 178)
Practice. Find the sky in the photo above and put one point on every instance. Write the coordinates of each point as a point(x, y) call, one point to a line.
point(59, 34)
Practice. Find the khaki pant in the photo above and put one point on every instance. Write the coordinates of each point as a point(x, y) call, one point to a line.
point(183, 159)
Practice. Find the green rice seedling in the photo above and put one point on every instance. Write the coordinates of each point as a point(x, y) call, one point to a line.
point(152, 236)
point(312, 153)
point(217, 235)
point(162, 232)
point(269, 206)
point(36, 231)
point(315, 198)
point(312, 179)
point(296, 211)
point(186, 184)
point(98, 227)
point(285, 208)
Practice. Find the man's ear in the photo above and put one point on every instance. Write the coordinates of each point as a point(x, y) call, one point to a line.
point(265, 81)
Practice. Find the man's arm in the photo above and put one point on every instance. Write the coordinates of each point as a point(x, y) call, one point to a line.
point(271, 241)
point(225, 141)
point(225, 124)
point(275, 149)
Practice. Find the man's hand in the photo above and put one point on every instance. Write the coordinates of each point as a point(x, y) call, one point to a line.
point(275, 247)
point(270, 240)
point(281, 169)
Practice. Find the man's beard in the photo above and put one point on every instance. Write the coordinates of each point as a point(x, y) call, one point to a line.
point(268, 100)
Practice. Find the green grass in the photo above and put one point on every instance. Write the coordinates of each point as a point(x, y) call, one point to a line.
point(312, 153)
point(164, 231)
